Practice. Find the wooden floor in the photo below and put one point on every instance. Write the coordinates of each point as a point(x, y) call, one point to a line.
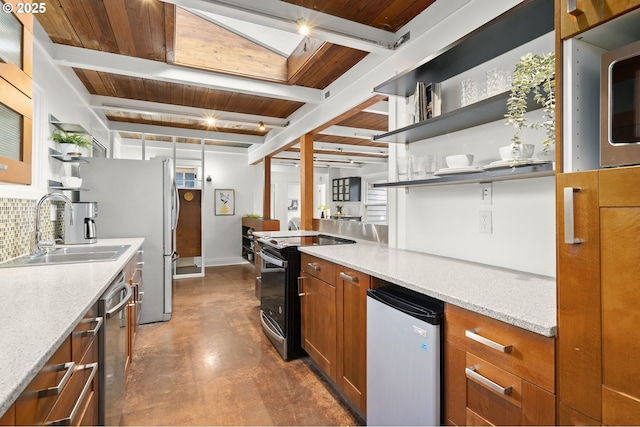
point(212, 365)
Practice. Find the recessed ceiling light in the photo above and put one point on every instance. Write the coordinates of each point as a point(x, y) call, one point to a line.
point(303, 28)
point(210, 121)
point(261, 127)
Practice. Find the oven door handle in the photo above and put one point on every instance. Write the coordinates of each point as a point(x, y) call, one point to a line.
point(273, 260)
point(268, 327)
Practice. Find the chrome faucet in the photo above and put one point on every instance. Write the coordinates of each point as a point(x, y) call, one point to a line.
point(49, 243)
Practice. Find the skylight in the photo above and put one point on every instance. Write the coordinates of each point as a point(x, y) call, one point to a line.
point(282, 42)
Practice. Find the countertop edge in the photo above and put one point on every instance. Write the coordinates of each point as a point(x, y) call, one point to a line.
point(544, 329)
point(9, 393)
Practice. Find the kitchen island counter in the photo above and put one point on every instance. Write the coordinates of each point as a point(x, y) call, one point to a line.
point(518, 298)
point(40, 306)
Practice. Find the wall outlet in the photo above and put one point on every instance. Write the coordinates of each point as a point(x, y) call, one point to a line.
point(486, 192)
point(485, 222)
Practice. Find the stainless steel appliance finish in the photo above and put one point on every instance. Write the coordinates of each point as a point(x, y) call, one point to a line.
point(138, 198)
point(113, 350)
point(620, 106)
point(279, 299)
point(83, 230)
point(404, 357)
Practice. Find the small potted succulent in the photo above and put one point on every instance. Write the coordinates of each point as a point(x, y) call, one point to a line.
point(71, 143)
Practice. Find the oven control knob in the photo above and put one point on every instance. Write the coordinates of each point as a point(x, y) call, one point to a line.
point(279, 309)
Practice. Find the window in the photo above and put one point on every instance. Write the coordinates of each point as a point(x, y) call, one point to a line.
point(376, 204)
point(187, 178)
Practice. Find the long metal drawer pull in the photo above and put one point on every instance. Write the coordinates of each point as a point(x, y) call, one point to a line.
point(569, 226)
point(345, 276)
point(300, 293)
point(67, 421)
point(93, 332)
point(472, 334)
point(54, 391)
point(313, 266)
point(3, 167)
point(471, 373)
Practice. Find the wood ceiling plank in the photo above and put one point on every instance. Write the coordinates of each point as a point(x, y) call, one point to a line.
point(91, 23)
point(204, 45)
point(327, 64)
point(355, 110)
point(388, 15)
point(300, 56)
point(364, 120)
point(56, 23)
point(332, 139)
point(169, 32)
point(122, 28)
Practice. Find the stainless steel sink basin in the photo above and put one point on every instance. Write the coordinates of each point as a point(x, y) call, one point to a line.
point(69, 255)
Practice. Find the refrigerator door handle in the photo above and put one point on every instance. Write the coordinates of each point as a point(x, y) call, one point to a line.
point(176, 206)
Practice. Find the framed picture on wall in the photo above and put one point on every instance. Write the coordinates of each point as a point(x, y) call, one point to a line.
point(224, 202)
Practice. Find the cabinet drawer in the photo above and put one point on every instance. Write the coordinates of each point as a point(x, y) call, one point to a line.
point(524, 353)
point(77, 400)
point(35, 403)
point(84, 333)
point(498, 381)
point(318, 267)
point(9, 417)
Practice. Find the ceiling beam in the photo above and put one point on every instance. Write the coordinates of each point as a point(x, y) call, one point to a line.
point(286, 17)
point(100, 102)
point(88, 59)
point(185, 133)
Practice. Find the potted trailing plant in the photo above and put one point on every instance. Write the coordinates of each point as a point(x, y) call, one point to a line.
point(533, 73)
point(71, 143)
point(339, 209)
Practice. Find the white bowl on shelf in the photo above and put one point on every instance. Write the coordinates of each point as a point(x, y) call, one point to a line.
point(71, 181)
point(459, 160)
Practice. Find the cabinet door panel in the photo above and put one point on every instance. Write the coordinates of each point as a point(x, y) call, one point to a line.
point(578, 341)
point(613, 8)
point(568, 416)
point(592, 14)
point(620, 246)
point(455, 385)
point(9, 417)
point(318, 323)
point(619, 409)
point(538, 406)
point(352, 337)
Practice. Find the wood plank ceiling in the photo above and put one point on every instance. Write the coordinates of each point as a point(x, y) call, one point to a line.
point(162, 32)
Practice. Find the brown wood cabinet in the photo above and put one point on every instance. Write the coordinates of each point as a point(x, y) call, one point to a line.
point(133, 274)
point(598, 297)
point(334, 325)
point(318, 313)
point(9, 417)
point(496, 373)
point(589, 13)
point(65, 391)
point(352, 289)
point(16, 105)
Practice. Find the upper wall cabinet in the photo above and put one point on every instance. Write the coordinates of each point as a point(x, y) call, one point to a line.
point(16, 107)
point(580, 15)
point(521, 24)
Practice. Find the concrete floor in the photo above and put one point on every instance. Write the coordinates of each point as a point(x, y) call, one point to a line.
point(212, 365)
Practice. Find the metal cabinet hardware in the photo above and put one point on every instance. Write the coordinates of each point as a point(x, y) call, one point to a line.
point(569, 225)
point(74, 412)
point(313, 266)
point(3, 167)
point(300, 293)
point(345, 276)
point(573, 9)
point(92, 332)
point(472, 334)
point(471, 373)
point(54, 391)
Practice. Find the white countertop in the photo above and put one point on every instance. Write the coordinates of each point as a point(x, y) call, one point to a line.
point(40, 306)
point(521, 299)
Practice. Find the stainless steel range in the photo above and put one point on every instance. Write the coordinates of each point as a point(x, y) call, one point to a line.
point(280, 302)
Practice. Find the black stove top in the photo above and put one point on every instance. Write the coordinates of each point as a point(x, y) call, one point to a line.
point(294, 241)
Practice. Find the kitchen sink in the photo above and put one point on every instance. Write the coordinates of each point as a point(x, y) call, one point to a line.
point(69, 255)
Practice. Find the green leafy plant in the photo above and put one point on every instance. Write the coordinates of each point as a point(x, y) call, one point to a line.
point(253, 216)
point(533, 73)
point(339, 209)
point(323, 207)
point(78, 139)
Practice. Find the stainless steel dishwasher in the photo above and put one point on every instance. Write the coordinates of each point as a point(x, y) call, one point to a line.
point(404, 357)
point(113, 350)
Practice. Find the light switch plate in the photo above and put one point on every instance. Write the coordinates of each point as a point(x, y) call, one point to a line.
point(486, 193)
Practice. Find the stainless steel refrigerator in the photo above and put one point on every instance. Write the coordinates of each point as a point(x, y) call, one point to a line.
point(138, 198)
